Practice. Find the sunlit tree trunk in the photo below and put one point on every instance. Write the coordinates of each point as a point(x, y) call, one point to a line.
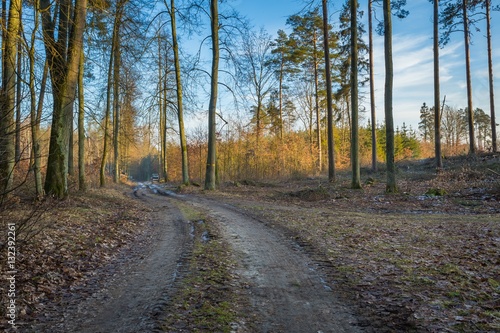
point(210, 178)
point(491, 78)
point(180, 111)
point(391, 185)
point(437, 97)
point(329, 95)
point(372, 86)
point(356, 177)
point(8, 96)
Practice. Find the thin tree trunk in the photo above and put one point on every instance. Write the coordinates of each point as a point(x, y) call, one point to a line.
point(36, 112)
point(180, 111)
point(82, 184)
point(116, 104)
point(391, 185)
point(329, 95)
point(356, 177)
point(212, 108)
point(108, 101)
point(470, 110)
point(491, 78)
point(71, 165)
point(316, 104)
point(162, 111)
point(372, 86)
point(437, 97)
point(18, 100)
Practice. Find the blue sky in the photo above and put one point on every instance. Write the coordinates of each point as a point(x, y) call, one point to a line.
point(413, 57)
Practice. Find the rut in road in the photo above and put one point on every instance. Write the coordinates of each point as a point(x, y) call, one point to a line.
point(131, 301)
point(287, 293)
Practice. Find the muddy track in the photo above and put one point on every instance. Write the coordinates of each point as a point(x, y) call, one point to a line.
point(287, 291)
point(133, 298)
point(284, 285)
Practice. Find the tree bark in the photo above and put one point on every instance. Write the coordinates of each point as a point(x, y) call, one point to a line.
point(64, 59)
point(391, 185)
point(7, 98)
point(180, 111)
point(82, 183)
point(329, 95)
point(18, 100)
point(210, 178)
point(470, 110)
point(437, 97)
point(372, 87)
point(316, 103)
point(356, 177)
point(36, 111)
point(491, 78)
point(108, 100)
point(116, 101)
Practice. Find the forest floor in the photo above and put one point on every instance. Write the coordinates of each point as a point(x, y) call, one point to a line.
point(301, 255)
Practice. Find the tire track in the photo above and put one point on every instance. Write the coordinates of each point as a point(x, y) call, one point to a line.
point(286, 291)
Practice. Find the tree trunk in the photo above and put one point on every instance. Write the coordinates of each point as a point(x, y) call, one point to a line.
point(356, 177)
point(329, 95)
point(212, 108)
point(491, 78)
point(180, 111)
point(437, 97)
point(316, 104)
point(108, 101)
point(18, 100)
point(116, 102)
point(470, 110)
point(82, 184)
point(64, 59)
point(7, 98)
point(36, 111)
point(391, 185)
point(372, 86)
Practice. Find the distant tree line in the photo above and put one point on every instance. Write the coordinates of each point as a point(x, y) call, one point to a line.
point(107, 83)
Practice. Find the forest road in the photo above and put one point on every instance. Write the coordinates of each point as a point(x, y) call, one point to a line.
point(136, 292)
point(286, 289)
point(283, 285)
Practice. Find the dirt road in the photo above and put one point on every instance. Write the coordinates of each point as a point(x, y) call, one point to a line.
point(285, 289)
point(134, 291)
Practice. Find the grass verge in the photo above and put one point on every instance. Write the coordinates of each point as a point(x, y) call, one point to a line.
point(205, 301)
